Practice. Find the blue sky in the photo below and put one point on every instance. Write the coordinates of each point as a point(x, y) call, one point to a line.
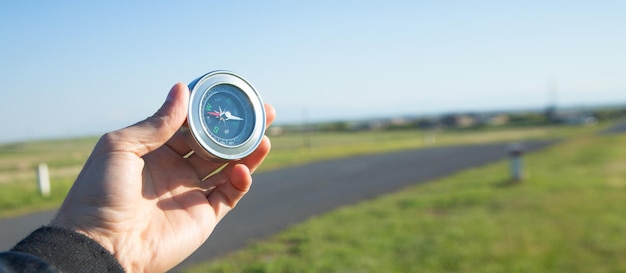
point(87, 67)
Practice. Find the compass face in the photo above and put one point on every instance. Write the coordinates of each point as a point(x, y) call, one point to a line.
point(228, 115)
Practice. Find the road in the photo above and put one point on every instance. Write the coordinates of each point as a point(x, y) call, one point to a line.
point(285, 197)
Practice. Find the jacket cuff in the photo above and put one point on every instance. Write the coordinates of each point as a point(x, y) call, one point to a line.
point(68, 251)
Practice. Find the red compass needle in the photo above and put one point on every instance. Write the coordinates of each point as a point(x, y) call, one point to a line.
point(215, 114)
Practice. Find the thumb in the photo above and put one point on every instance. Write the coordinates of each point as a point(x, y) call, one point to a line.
point(151, 133)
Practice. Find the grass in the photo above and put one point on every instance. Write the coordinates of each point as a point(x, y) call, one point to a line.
point(18, 162)
point(21, 198)
point(566, 216)
point(65, 158)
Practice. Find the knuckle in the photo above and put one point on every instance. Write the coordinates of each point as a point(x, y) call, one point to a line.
point(111, 141)
point(160, 122)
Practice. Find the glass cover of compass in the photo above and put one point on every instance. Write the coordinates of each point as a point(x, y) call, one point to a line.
point(226, 116)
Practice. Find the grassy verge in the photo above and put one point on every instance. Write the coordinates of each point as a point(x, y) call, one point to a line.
point(18, 161)
point(65, 158)
point(567, 216)
point(21, 198)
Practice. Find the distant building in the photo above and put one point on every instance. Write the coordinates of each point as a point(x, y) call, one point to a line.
point(366, 125)
point(493, 119)
point(458, 120)
point(575, 118)
point(428, 124)
point(399, 122)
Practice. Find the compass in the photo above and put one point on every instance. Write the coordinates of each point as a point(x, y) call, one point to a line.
point(226, 117)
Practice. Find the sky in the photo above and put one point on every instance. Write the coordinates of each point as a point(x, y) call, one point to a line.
point(82, 68)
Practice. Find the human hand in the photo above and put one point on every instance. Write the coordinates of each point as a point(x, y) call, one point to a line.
point(141, 200)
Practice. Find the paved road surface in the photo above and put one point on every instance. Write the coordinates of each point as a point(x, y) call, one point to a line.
point(282, 198)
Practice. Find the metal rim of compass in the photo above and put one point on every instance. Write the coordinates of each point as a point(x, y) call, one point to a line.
point(202, 143)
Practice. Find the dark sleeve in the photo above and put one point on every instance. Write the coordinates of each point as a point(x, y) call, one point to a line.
point(14, 262)
point(49, 249)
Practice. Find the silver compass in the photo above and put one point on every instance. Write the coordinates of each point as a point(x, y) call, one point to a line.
point(226, 117)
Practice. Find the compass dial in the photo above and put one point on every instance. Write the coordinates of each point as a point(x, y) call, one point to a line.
point(226, 117)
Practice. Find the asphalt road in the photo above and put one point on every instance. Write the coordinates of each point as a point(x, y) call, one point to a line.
point(285, 197)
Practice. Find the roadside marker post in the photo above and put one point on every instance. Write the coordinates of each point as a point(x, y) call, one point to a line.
point(43, 179)
point(516, 151)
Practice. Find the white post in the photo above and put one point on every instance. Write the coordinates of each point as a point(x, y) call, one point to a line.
point(516, 151)
point(43, 180)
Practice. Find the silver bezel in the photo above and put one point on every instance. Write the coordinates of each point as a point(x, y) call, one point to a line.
point(205, 145)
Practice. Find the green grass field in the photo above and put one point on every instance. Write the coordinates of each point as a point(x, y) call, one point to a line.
point(567, 216)
point(19, 194)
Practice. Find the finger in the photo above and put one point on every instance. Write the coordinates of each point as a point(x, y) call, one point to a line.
point(254, 160)
point(204, 168)
point(218, 177)
point(270, 114)
point(153, 132)
point(251, 162)
point(226, 196)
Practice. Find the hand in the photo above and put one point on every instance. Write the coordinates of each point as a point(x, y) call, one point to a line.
point(141, 200)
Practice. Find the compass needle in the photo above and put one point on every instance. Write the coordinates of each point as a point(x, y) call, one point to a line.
point(230, 116)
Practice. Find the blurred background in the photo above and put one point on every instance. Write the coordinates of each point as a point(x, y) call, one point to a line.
point(349, 79)
point(84, 68)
